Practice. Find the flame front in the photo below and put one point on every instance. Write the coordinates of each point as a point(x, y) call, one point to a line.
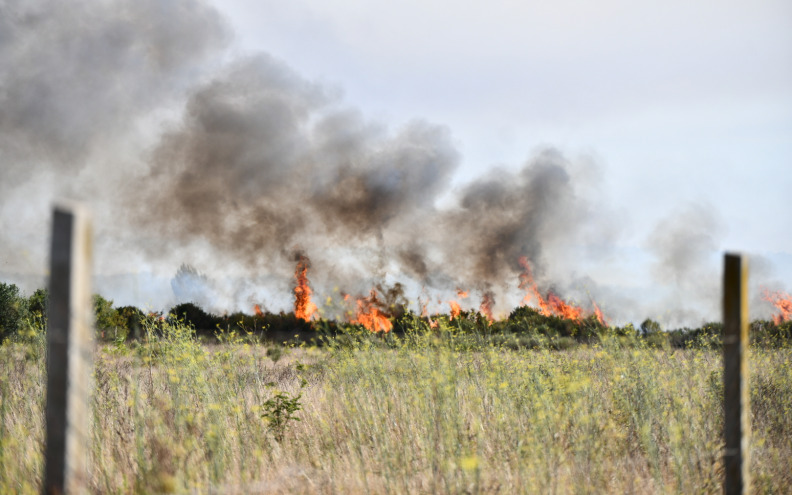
point(456, 309)
point(425, 314)
point(487, 301)
point(558, 307)
point(370, 315)
point(598, 312)
point(304, 308)
point(783, 303)
point(552, 305)
point(257, 310)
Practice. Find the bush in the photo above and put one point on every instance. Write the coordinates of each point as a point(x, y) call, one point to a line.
point(132, 317)
point(659, 340)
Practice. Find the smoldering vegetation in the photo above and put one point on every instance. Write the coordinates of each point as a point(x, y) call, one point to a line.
point(191, 154)
point(264, 163)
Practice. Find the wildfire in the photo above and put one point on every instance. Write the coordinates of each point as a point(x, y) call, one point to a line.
point(456, 309)
point(487, 301)
point(370, 315)
point(783, 303)
point(425, 314)
point(303, 307)
point(552, 305)
point(257, 310)
point(600, 316)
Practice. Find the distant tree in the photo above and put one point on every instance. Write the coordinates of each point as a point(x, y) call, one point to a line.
point(649, 327)
point(13, 310)
point(108, 322)
point(196, 316)
point(38, 302)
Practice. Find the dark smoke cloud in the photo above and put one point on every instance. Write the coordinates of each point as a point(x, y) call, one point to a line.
point(226, 167)
point(264, 160)
point(508, 215)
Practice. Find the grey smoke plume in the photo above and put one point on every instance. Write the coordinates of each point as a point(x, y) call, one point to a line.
point(265, 161)
point(231, 165)
point(75, 74)
point(685, 245)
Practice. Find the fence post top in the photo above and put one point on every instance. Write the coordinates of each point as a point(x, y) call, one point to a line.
point(74, 207)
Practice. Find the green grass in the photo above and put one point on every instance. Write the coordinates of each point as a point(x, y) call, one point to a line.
point(424, 413)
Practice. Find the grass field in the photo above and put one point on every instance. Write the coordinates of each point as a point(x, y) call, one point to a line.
point(425, 413)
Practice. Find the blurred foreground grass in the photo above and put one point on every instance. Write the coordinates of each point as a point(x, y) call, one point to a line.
point(427, 412)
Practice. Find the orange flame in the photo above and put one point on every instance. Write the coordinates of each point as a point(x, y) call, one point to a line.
point(559, 307)
point(600, 316)
point(257, 310)
point(783, 303)
point(553, 305)
point(303, 307)
point(487, 301)
point(370, 315)
point(455, 309)
point(527, 283)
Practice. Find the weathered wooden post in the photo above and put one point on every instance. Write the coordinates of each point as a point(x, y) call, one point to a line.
point(736, 399)
point(69, 352)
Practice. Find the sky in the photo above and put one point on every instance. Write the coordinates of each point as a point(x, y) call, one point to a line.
point(670, 124)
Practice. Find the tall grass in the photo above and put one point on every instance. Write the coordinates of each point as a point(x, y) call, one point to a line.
point(429, 412)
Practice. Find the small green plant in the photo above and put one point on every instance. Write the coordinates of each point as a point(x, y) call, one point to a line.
point(280, 410)
point(275, 353)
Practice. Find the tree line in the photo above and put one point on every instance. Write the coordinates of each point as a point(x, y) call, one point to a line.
point(22, 316)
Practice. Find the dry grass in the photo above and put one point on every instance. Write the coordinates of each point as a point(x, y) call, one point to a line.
point(421, 416)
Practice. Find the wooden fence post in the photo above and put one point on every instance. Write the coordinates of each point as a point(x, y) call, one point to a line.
point(69, 352)
point(736, 398)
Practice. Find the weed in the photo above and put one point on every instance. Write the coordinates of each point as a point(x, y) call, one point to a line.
point(280, 409)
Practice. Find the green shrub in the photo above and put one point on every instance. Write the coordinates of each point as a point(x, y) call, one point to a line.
point(280, 409)
point(658, 340)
